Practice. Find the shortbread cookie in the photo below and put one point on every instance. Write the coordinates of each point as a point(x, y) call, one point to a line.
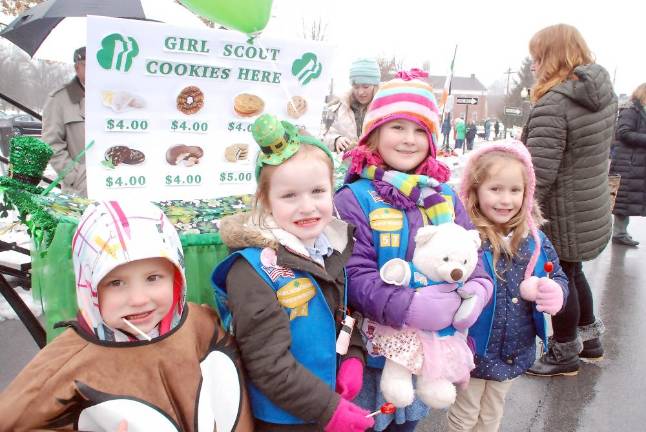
point(190, 100)
point(236, 152)
point(296, 107)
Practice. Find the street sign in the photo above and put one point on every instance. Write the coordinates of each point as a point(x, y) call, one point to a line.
point(461, 100)
point(513, 111)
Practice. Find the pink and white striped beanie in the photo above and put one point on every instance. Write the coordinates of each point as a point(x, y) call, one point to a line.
point(408, 97)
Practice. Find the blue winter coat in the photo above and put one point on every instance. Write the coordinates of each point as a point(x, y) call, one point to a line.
point(505, 334)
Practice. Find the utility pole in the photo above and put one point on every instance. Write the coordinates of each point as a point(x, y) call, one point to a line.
point(508, 73)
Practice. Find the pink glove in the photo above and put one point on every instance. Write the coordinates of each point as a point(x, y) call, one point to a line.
point(349, 379)
point(549, 297)
point(476, 294)
point(348, 417)
point(433, 307)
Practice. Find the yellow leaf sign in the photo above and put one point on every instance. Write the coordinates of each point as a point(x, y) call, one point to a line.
point(295, 296)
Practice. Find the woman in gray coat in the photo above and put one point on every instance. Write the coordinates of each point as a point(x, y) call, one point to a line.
point(568, 133)
point(629, 161)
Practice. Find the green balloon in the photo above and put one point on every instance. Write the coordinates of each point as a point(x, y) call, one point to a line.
point(247, 16)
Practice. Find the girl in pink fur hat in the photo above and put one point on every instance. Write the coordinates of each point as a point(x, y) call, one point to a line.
point(498, 192)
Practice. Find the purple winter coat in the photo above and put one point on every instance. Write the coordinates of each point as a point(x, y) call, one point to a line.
point(367, 293)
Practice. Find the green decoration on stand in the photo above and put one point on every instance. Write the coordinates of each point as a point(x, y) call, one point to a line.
point(28, 157)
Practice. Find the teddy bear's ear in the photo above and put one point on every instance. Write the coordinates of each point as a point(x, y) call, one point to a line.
point(476, 237)
point(424, 234)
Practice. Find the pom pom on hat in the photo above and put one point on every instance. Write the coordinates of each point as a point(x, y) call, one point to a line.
point(365, 71)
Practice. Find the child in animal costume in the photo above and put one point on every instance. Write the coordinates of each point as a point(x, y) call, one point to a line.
point(137, 356)
point(395, 185)
point(498, 191)
point(285, 289)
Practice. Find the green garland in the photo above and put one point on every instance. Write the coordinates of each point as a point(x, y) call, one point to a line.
point(28, 156)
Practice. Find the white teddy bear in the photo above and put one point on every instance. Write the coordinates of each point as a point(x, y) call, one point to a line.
point(444, 253)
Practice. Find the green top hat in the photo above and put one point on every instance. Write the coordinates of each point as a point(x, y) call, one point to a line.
point(279, 140)
point(28, 157)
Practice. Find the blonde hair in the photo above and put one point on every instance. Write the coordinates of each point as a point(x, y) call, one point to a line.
point(640, 94)
point(558, 50)
point(261, 205)
point(482, 169)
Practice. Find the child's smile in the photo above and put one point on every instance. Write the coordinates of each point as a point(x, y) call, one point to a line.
point(402, 144)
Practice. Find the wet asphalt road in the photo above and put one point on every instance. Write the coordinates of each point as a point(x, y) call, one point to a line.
point(609, 395)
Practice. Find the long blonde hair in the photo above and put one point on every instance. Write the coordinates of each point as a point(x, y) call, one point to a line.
point(482, 169)
point(558, 50)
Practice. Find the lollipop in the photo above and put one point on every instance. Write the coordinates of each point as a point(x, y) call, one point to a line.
point(548, 267)
point(386, 408)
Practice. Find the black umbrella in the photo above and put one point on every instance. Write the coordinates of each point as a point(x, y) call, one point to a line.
point(30, 29)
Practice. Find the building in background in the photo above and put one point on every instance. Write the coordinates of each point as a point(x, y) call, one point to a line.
point(463, 87)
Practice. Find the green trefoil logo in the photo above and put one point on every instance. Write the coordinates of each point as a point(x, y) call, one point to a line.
point(306, 68)
point(117, 52)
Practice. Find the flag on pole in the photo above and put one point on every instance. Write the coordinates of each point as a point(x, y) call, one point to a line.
point(447, 85)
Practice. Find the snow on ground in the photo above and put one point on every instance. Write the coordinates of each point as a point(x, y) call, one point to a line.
point(11, 231)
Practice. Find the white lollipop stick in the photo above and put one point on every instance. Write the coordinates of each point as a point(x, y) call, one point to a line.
point(135, 328)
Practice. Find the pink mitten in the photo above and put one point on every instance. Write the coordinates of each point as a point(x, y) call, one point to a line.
point(549, 297)
point(529, 289)
point(348, 417)
point(476, 294)
point(433, 307)
point(349, 379)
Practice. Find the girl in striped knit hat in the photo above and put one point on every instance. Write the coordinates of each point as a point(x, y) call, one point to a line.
point(395, 185)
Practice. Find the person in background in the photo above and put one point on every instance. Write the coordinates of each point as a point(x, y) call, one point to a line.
point(472, 130)
point(568, 134)
point(498, 193)
point(460, 131)
point(64, 128)
point(446, 132)
point(350, 110)
point(487, 129)
point(395, 185)
point(629, 161)
point(496, 129)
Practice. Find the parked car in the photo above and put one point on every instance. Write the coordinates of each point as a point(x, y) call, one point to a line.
point(16, 125)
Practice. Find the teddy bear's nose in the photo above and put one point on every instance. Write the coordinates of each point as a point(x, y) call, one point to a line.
point(456, 274)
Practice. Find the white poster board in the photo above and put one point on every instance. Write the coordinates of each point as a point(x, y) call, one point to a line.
point(170, 108)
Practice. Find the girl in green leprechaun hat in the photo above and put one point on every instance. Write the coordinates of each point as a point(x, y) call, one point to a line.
point(284, 289)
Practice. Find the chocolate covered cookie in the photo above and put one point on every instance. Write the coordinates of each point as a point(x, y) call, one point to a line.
point(124, 155)
point(184, 155)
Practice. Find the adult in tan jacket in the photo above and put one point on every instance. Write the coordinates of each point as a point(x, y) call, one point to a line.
point(350, 110)
point(64, 127)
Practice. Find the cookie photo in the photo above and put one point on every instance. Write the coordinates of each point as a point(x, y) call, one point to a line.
point(236, 152)
point(190, 100)
point(183, 155)
point(248, 105)
point(296, 107)
point(118, 155)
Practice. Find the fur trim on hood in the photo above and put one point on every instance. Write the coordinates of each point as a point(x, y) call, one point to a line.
point(244, 230)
